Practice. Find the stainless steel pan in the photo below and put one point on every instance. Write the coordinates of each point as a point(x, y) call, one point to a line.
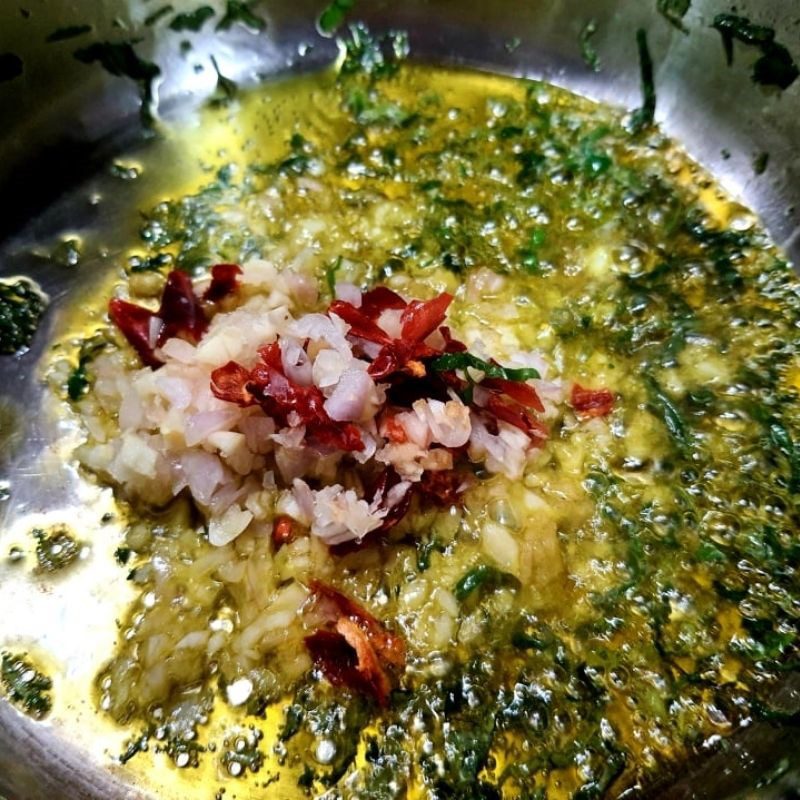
point(61, 121)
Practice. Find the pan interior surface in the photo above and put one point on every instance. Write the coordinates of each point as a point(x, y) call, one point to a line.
point(102, 169)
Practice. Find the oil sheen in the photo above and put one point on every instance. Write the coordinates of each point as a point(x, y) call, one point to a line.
point(658, 601)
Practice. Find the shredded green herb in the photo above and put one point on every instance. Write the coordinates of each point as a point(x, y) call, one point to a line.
point(192, 20)
point(334, 14)
point(775, 66)
point(120, 59)
point(464, 361)
point(134, 746)
point(226, 90)
point(481, 577)
point(674, 11)
point(21, 309)
point(375, 57)
point(330, 275)
point(78, 381)
point(70, 32)
point(56, 549)
point(25, 686)
point(760, 163)
point(665, 408)
point(588, 50)
point(644, 115)
point(238, 12)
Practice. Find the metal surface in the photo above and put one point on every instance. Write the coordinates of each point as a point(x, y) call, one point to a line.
point(62, 121)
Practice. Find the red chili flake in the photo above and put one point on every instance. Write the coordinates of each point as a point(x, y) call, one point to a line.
point(516, 415)
point(334, 604)
point(591, 402)
point(266, 385)
point(360, 324)
point(271, 355)
point(181, 311)
point(393, 430)
point(229, 383)
point(387, 480)
point(344, 666)
point(335, 436)
point(380, 299)
point(283, 530)
point(442, 487)
point(180, 314)
point(224, 282)
point(353, 647)
point(451, 345)
point(279, 396)
point(134, 322)
point(420, 319)
point(523, 393)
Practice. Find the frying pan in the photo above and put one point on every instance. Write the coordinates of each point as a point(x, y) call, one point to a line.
point(62, 122)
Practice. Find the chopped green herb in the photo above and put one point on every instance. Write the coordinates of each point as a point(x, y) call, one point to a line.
point(192, 20)
point(25, 686)
point(158, 14)
point(300, 160)
point(531, 162)
point(760, 163)
point(120, 59)
point(78, 381)
point(425, 549)
point(330, 274)
point(55, 550)
point(775, 66)
point(21, 309)
point(463, 361)
point(334, 14)
point(242, 13)
point(139, 744)
point(643, 117)
point(588, 51)
point(483, 576)
point(664, 407)
point(529, 254)
point(123, 555)
point(368, 107)
point(70, 32)
point(709, 553)
point(780, 438)
point(10, 66)
point(371, 56)
point(156, 263)
point(674, 11)
point(226, 89)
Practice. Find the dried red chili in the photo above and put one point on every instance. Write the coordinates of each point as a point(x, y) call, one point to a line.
point(591, 402)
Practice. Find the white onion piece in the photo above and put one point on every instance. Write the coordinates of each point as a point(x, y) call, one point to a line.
point(352, 399)
point(348, 292)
